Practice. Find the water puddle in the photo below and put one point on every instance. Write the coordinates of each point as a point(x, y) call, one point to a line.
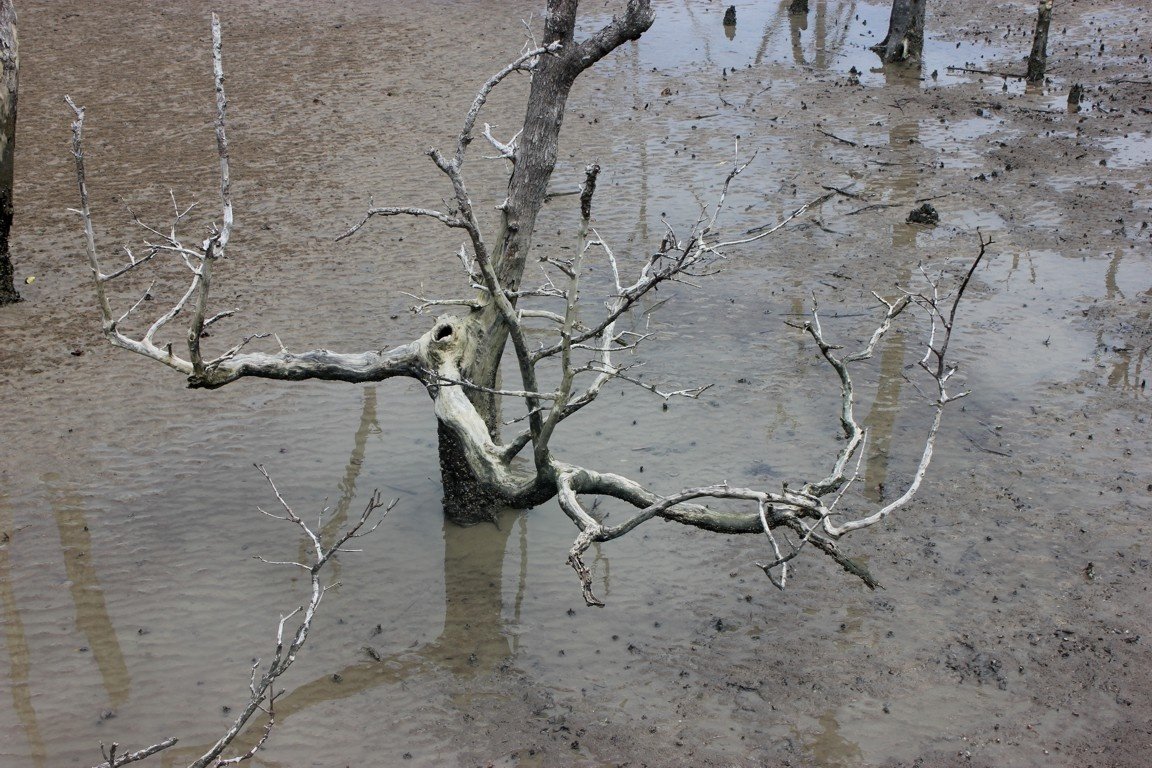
point(833, 38)
point(1132, 150)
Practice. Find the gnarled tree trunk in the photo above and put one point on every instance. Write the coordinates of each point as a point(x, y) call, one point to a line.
point(10, 62)
point(552, 81)
point(905, 38)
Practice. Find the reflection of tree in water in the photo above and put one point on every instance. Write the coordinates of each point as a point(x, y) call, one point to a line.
point(92, 619)
point(347, 486)
point(881, 419)
point(472, 645)
point(831, 24)
point(91, 613)
point(16, 642)
point(1127, 370)
point(1127, 361)
point(823, 47)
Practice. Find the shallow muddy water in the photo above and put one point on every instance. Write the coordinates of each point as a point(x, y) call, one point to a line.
point(1013, 626)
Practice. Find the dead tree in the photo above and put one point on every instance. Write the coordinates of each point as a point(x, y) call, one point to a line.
point(1038, 59)
point(905, 38)
point(9, 81)
point(458, 359)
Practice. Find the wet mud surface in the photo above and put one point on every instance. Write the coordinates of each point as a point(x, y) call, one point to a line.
point(1013, 629)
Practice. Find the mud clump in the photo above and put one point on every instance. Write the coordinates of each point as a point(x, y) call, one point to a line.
point(925, 214)
point(969, 663)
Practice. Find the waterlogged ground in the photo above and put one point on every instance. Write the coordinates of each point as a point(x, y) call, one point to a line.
point(1013, 629)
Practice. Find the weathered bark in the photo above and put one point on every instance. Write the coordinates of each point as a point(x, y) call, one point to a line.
point(9, 79)
point(1038, 59)
point(905, 38)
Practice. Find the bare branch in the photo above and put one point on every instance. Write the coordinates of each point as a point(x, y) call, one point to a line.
point(525, 62)
point(443, 218)
point(759, 233)
point(941, 373)
point(133, 262)
point(441, 379)
point(507, 151)
point(112, 760)
point(618, 373)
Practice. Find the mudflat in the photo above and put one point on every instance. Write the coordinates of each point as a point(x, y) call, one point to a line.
point(1011, 627)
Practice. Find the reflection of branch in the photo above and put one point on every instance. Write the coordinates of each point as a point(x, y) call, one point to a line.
point(263, 695)
point(16, 639)
point(347, 485)
point(92, 617)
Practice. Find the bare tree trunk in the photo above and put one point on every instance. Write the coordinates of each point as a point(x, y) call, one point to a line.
point(10, 62)
point(905, 38)
point(536, 158)
point(465, 499)
point(1038, 59)
point(798, 6)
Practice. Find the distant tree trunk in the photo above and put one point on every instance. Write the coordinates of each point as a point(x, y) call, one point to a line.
point(10, 61)
point(1038, 59)
point(798, 6)
point(905, 38)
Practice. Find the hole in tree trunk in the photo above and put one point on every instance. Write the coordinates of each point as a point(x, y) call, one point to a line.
point(443, 332)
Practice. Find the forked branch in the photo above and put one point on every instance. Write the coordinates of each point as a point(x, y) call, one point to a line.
point(809, 514)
